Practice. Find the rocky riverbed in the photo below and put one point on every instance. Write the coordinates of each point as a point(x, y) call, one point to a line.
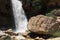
point(10, 35)
point(33, 33)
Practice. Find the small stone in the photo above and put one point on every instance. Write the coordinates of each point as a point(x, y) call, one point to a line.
point(37, 38)
point(10, 32)
point(41, 39)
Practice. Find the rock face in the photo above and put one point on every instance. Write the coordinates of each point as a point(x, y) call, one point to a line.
point(43, 25)
point(6, 15)
point(36, 7)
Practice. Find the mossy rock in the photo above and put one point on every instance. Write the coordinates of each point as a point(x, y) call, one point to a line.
point(5, 38)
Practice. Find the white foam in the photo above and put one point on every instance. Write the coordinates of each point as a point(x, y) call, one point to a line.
point(20, 18)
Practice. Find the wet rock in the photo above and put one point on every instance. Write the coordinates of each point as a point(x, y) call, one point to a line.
point(43, 25)
point(10, 32)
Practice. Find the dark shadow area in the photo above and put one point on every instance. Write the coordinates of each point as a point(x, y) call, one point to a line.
point(6, 15)
point(34, 35)
point(33, 7)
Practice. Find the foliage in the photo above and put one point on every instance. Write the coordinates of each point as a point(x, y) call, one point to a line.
point(37, 4)
point(52, 13)
point(57, 33)
point(7, 38)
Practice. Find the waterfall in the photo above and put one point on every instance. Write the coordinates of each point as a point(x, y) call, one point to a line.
point(19, 15)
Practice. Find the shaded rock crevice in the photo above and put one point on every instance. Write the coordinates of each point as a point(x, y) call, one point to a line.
point(6, 15)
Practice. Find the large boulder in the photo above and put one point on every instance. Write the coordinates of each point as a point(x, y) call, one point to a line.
point(43, 25)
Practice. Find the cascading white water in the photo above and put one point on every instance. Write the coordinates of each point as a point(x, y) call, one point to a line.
point(19, 15)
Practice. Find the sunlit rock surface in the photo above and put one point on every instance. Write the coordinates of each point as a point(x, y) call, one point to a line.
point(43, 25)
